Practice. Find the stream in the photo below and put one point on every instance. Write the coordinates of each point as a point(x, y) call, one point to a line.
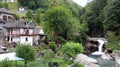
point(104, 62)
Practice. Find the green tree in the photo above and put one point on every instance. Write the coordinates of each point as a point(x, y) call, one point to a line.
point(71, 49)
point(37, 16)
point(29, 15)
point(93, 16)
point(32, 5)
point(112, 16)
point(27, 52)
point(60, 22)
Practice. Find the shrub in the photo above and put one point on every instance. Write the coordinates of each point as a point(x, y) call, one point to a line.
point(53, 47)
point(70, 49)
point(6, 63)
point(26, 52)
point(79, 65)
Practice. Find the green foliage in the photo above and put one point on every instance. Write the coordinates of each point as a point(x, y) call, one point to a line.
point(79, 65)
point(59, 22)
point(53, 46)
point(29, 15)
point(34, 4)
point(112, 16)
point(37, 16)
point(6, 63)
point(71, 49)
point(94, 17)
point(48, 54)
point(26, 51)
point(68, 62)
point(113, 41)
point(3, 5)
point(16, 17)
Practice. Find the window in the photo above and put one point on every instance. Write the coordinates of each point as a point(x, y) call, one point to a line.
point(5, 18)
point(10, 18)
point(8, 38)
point(11, 39)
point(26, 39)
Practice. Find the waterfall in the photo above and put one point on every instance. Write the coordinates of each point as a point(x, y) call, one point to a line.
point(101, 43)
point(100, 50)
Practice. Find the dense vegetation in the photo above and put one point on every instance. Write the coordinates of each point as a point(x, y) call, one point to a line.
point(64, 20)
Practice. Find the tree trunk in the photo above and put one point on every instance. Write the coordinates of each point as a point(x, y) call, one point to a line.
point(25, 64)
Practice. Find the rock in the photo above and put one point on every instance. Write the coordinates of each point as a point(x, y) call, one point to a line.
point(87, 61)
point(116, 55)
point(106, 56)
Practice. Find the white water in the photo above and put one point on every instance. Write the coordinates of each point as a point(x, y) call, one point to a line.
point(100, 50)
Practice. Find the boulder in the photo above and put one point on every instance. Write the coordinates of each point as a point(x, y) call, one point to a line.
point(87, 61)
point(106, 56)
point(116, 55)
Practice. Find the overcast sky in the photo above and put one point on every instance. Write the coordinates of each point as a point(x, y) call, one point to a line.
point(81, 2)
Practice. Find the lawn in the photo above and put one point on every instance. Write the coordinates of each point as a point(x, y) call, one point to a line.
point(42, 62)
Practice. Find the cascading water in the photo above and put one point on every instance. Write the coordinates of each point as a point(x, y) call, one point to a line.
point(97, 55)
point(100, 50)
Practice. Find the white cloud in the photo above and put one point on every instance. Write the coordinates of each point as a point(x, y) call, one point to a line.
point(81, 2)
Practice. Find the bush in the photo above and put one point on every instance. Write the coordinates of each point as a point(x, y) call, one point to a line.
point(113, 41)
point(53, 47)
point(6, 63)
point(79, 65)
point(70, 49)
point(48, 54)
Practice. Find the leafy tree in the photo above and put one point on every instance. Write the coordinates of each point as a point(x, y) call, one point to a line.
point(71, 49)
point(37, 16)
point(93, 16)
point(32, 5)
point(59, 22)
point(27, 52)
point(112, 16)
point(29, 15)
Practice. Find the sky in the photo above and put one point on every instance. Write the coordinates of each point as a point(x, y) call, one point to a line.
point(81, 2)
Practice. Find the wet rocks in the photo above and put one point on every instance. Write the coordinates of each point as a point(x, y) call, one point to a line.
point(87, 61)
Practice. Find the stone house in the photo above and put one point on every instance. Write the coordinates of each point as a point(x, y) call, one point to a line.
point(19, 31)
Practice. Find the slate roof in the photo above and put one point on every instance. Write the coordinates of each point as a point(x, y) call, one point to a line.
point(38, 31)
point(4, 10)
point(20, 24)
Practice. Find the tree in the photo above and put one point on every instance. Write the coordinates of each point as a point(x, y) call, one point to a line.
point(32, 5)
point(27, 52)
point(112, 16)
point(37, 16)
point(71, 49)
point(93, 16)
point(29, 15)
point(60, 22)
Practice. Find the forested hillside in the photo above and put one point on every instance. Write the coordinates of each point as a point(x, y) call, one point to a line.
point(64, 20)
point(100, 18)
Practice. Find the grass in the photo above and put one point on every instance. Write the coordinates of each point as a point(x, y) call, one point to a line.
point(42, 62)
point(13, 7)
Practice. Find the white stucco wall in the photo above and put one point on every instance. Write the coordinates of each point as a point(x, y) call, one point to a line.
point(8, 0)
point(22, 31)
point(16, 39)
point(23, 40)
